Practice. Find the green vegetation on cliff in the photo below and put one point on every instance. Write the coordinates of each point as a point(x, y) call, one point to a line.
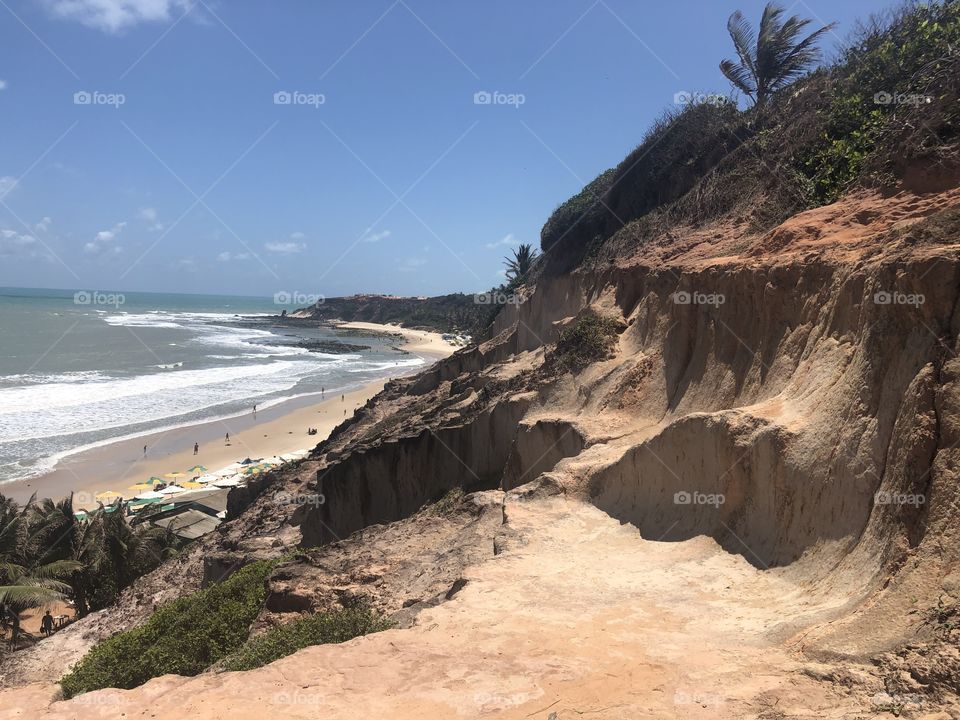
point(184, 637)
point(319, 629)
point(889, 104)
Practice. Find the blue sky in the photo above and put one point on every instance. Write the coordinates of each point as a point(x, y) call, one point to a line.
point(181, 169)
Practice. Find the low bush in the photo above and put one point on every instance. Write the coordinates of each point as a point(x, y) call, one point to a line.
point(320, 629)
point(590, 339)
point(183, 637)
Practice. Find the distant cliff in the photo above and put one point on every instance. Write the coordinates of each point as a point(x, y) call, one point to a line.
point(457, 312)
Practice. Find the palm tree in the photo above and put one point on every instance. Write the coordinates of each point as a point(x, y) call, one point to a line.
point(518, 267)
point(26, 579)
point(776, 58)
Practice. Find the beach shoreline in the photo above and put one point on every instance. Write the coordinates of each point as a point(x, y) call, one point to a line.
point(277, 430)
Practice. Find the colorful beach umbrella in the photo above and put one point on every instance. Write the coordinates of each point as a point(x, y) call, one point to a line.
point(175, 475)
point(155, 480)
point(140, 486)
point(192, 485)
point(197, 468)
point(108, 495)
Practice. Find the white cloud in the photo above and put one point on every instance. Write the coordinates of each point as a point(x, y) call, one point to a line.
point(7, 183)
point(43, 225)
point(227, 256)
point(105, 240)
point(15, 244)
point(3, 84)
point(149, 215)
point(411, 264)
point(377, 237)
point(506, 240)
point(116, 15)
point(294, 245)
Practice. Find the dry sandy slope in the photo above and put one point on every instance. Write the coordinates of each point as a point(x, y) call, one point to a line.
point(578, 616)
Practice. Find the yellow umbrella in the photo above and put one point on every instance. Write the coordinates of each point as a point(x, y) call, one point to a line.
point(108, 495)
point(177, 474)
point(192, 485)
point(140, 486)
point(155, 480)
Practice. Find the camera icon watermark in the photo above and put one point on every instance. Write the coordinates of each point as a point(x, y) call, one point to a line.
point(883, 297)
point(684, 497)
point(498, 298)
point(682, 297)
point(295, 97)
point(95, 297)
point(685, 97)
point(297, 298)
point(484, 97)
point(894, 98)
point(95, 97)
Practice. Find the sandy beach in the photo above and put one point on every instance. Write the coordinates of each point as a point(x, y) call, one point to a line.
point(276, 430)
point(419, 342)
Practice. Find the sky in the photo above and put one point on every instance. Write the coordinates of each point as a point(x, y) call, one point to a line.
point(327, 146)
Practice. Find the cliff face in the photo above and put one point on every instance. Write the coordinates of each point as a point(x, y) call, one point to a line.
point(750, 503)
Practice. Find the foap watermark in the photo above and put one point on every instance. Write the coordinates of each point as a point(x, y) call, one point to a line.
point(297, 298)
point(892, 498)
point(895, 98)
point(299, 499)
point(95, 97)
point(95, 297)
point(296, 97)
point(483, 97)
point(684, 696)
point(685, 497)
point(682, 297)
point(296, 698)
point(100, 700)
point(883, 297)
point(685, 97)
point(495, 297)
point(490, 701)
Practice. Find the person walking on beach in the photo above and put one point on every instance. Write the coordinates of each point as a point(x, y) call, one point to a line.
point(196, 448)
point(254, 412)
point(144, 449)
point(46, 624)
point(227, 439)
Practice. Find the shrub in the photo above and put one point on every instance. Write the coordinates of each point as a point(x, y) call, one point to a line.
point(284, 640)
point(184, 637)
point(590, 339)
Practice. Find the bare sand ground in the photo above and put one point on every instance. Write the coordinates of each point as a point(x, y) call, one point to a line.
point(578, 617)
point(273, 431)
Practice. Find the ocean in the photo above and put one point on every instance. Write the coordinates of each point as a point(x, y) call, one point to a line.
point(80, 370)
